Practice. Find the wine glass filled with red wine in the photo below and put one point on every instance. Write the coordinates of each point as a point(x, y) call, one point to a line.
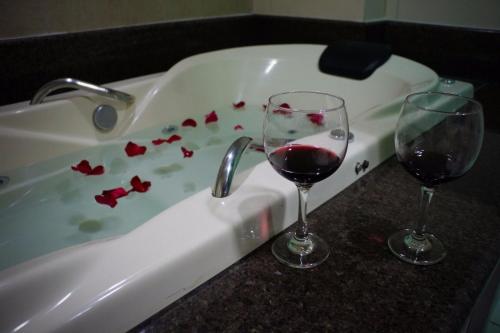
point(438, 138)
point(299, 148)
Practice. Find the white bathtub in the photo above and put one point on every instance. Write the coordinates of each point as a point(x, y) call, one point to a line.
point(114, 281)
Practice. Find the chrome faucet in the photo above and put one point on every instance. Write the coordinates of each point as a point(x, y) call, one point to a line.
point(228, 166)
point(68, 82)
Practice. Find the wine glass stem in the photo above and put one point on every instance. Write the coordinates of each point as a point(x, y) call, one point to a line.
point(302, 229)
point(426, 194)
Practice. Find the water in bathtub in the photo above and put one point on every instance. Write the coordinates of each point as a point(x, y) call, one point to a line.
point(50, 205)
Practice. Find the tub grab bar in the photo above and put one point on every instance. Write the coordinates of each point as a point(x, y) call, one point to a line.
point(68, 82)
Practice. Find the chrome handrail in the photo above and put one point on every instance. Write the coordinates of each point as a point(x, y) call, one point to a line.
point(68, 82)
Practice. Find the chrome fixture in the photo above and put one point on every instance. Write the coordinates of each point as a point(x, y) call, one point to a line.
point(68, 82)
point(361, 166)
point(447, 81)
point(228, 166)
point(105, 117)
point(339, 134)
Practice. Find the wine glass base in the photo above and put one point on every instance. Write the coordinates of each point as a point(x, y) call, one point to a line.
point(418, 252)
point(312, 252)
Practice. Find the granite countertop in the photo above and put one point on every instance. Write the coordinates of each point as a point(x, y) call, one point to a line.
point(362, 287)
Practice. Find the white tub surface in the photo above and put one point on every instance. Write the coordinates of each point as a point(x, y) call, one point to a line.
point(112, 284)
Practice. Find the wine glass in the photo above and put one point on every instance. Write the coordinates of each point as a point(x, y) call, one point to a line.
point(438, 138)
point(298, 147)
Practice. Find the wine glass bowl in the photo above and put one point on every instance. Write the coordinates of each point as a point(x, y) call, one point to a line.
point(438, 138)
point(298, 147)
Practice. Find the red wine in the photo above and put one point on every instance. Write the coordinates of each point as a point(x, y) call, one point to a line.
point(304, 164)
point(431, 168)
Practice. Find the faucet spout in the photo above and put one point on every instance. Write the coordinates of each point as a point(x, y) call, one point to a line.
point(228, 167)
point(82, 85)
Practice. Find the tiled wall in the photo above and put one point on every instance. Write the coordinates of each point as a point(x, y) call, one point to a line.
point(348, 10)
point(21, 18)
point(463, 13)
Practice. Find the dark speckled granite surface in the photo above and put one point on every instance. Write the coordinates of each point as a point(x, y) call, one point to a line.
point(362, 287)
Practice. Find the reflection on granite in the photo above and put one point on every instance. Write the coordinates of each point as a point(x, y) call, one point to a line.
point(362, 287)
point(488, 94)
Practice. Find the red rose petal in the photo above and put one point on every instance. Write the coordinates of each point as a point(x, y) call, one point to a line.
point(115, 193)
point(238, 127)
point(133, 149)
point(85, 168)
point(98, 170)
point(138, 185)
point(239, 105)
point(106, 200)
point(186, 152)
point(189, 122)
point(283, 112)
point(108, 197)
point(211, 117)
point(174, 138)
point(159, 141)
point(316, 118)
point(257, 148)
point(171, 139)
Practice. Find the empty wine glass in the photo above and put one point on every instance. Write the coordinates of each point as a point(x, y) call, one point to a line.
point(298, 147)
point(438, 138)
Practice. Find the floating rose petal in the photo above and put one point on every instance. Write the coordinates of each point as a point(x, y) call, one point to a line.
point(211, 117)
point(106, 200)
point(258, 148)
point(186, 152)
point(239, 105)
point(85, 168)
point(174, 138)
point(98, 170)
point(238, 127)
point(282, 110)
point(108, 197)
point(115, 192)
point(138, 185)
point(189, 123)
point(159, 141)
point(171, 139)
point(316, 118)
point(133, 149)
